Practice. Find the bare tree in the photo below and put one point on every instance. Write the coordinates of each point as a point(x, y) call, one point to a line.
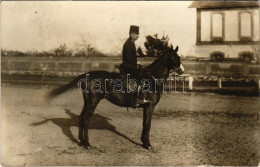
point(118, 46)
point(62, 50)
point(84, 47)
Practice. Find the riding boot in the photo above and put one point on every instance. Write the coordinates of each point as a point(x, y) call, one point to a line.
point(139, 98)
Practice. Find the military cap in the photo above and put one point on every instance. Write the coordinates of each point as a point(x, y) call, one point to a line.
point(134, 29)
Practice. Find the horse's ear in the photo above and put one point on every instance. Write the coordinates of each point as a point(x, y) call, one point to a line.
point(177, 48)
point(171, 48)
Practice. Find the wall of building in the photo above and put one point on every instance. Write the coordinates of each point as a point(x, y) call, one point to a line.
point(205, 25)
point(231, 24)
point(232, 48)
point(256, 17)
point(230, 51)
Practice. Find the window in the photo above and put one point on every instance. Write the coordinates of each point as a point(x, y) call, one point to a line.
point(246, 56)
point(217, 27)
point(217, 55)
point(245, 26)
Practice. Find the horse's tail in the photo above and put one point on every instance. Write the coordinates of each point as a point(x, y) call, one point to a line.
point(55, 92)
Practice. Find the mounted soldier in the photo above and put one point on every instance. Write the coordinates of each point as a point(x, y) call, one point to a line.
point(129, 65)
point(160, 69)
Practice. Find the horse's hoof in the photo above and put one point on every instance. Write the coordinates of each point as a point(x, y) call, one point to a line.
point(147, 146)
point(85, 145)
point(80, 144)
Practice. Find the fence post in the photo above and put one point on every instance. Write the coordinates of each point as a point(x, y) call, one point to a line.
point(258, 85)
point(207, 67)
point(190, 82)
point(245, 68)
point(219, 83)
point(83, 66)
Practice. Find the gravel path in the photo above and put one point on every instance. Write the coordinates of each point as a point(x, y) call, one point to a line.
point(187, 129)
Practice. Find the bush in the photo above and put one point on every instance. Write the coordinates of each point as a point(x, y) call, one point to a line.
point(11, 53)
point(62, 51)
point(155, 46)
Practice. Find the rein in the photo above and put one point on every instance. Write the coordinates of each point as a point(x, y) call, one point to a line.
point(161, 70)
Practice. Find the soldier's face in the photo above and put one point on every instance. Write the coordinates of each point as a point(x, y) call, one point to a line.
point(134, 36)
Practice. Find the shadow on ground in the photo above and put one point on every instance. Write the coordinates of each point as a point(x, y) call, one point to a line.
point(98, 122)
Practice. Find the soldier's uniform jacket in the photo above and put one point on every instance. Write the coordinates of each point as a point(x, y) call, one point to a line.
point(129, 54)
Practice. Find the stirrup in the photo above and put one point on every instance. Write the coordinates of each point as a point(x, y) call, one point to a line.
point(141, 101)
point(146, 101)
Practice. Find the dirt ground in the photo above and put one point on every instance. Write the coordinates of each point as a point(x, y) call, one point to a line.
point(187, 129)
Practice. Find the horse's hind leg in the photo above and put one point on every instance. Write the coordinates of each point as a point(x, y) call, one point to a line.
point(81, 118)
point(85, 116)
point(81, 123)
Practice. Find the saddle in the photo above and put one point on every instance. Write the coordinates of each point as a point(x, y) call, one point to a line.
point(123, 76)
point(144, 72)
point(140, 68)
point(140, 97)
point(121, 71)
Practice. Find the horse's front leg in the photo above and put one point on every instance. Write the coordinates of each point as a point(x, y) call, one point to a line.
point(147, 118)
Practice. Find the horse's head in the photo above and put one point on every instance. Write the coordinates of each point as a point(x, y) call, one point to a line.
point(174, 61)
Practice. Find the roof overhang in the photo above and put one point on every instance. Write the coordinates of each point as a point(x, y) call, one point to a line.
point(223, 4)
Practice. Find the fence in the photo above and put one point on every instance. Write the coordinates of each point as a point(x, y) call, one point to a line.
point(73, 66)
point(27, 69)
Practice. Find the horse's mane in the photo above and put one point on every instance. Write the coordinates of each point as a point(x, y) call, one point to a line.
point(154, 65)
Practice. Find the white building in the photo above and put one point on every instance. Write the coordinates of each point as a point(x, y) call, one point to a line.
point(227, 29)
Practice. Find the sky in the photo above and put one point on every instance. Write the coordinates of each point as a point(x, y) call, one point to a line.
point(44, 25)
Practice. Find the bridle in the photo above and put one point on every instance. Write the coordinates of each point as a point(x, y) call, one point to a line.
point(178, 70)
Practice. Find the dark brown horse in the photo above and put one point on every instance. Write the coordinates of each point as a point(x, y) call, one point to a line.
point(100, 85)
